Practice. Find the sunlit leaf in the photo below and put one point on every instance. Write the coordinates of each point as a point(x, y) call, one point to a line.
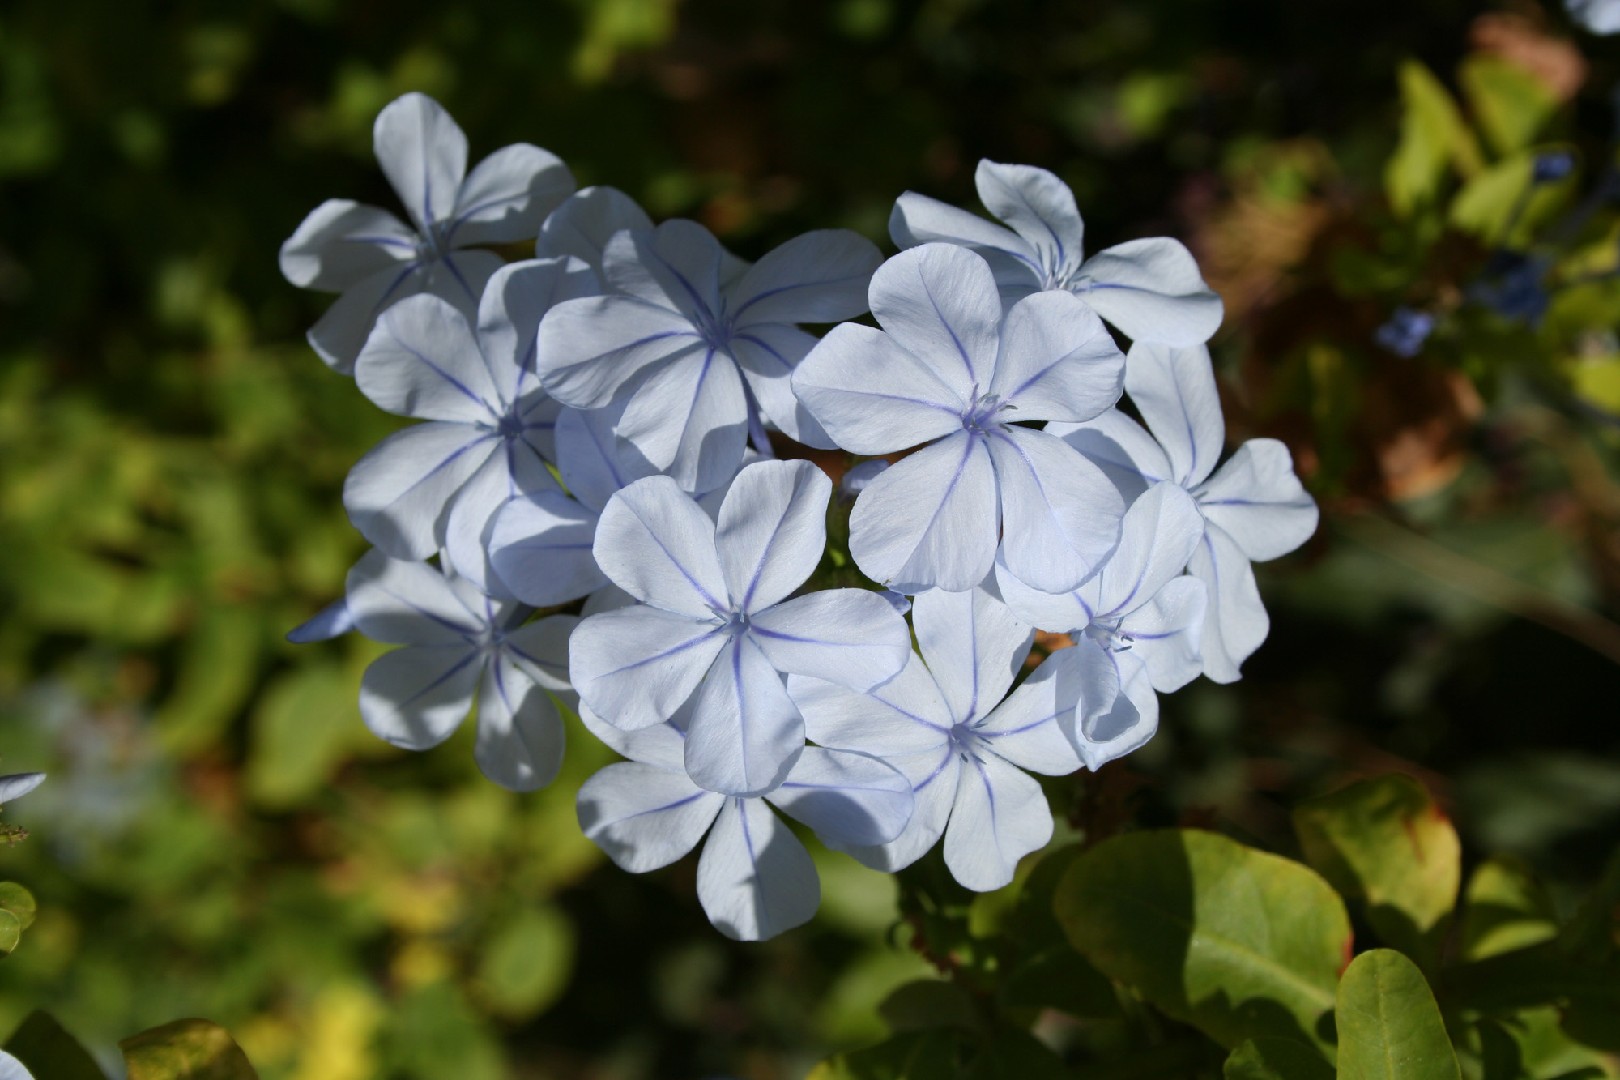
point(185, 1050)
point(1504, 908)
point(1433, 136)
point(1389, 1024)
point(1508, 102)
point(19, 902)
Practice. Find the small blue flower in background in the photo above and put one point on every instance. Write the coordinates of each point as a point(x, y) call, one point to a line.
point(1552, 166)
point(1405, 332)
point(1513, 284)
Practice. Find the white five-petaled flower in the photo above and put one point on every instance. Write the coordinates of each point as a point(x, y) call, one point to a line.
point(945, 726)
point(713, 624)
point(696, 351)
point(489, 425)
point(458, 642)
point(755, 878)
point(1253, 507)
point(1136, 626)
point(948, 370)
point(16, 785)
point(374, 259)
point(1151, 289)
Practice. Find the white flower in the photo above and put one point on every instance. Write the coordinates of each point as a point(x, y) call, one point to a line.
point(945, 726)
point(1135, 625)
point(1151, 289)
point(948, 370)
point(755, 878)
point(12, 1069)
point(17, 785)
point(1253, 506)
point(458, 642)
point(1597, 16)
point(714, 624)
point(695, 354)
point(373, 259)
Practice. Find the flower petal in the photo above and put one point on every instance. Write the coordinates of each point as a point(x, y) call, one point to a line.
point(932, 775)
point(590, 459)
point(905, 715)
point(408, 603)
point(332, 621)
point(755, 879)
point(342, 242)
point(422, 360)
point(1056, 613)
point(656, 544)
point(929, 521)
point(465, 544)
point(871, 395)
point(507, 195)
point(509, 315)
point(940, 303)
point(1256, 498)
point(341, 332)
point(540, 649)
point(424, 155)
point(689, 417)
point(1174, 390)
point(768, 355)
point(1057, 361)
point(1132, 715)
point(540, 548)
point(644, 817)
point(634, 667)
point(1117, 445)
point(1166, 632)
point(585, 221)
point(999, 817)
point(415, 697)
point(16, 785)
point(1235, 619)
point(974, 646)
point(1157, 537)
point(772, 531)
point(817, 277)
point(520, 733)
point(663, 745)
point(590, 349)
point(1151, 289)
point(1039, 207)
point(1025, 728)
point(398, 494)
point(676, 266)
point(1059, 514)
point(745, 732)
point(849, 800)
point(852, 637)
point(918, 219)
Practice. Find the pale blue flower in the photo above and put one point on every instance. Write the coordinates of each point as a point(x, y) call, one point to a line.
point(459, 642)
point(945, 726)
point(12, 1069)
point(17, 785)
point(754, 879)
point(373, 259)
point(714, 625)
point(1151, 289)
point(1253, 507)
point(949, 371)
point(584, 222)
point(489, 424)
point(332, 621)
point(1597, 16)
point(694, 354)
point(1136, 625)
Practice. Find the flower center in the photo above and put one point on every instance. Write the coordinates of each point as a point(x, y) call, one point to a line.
point(509, 426)
point(981, 415)
point(1108, 634)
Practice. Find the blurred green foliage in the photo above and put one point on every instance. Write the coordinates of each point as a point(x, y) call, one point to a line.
point(221, 836)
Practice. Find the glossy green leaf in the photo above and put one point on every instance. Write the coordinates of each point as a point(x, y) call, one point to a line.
point(1509, 104)
point(1386, 847)
point(1276, 1059)
point(45, 1046)
point(1433, 135)
point(1237, 942)
point(10, 932)
point(185, 1050)
point(19, 902)
point(1504, 908)
point(1389, 1024)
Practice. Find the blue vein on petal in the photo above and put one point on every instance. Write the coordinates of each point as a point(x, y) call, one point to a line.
point(764, 553)
point(436, 369)
point(666, 654)
point(961, 350)
point(444, 677)
point(697, 587)
point(757, 297)
point(460, 450)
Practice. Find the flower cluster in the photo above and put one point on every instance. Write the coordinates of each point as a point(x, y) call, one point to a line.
point(591, 515)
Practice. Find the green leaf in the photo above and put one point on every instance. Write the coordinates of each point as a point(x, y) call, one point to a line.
point(1596, 381)
point(1433, 134)
point(219, 662)
point(46, 1048)
point(19, 902)
point(1385, 846)
point(1509, 104)
point(1276, 1059)
point(1389, 1024)
point(185, 1050)
point(527, 963)
point(1593, 934)
point(303, 727)
point(929, 1003)
point(914, 1055)
point(1237, 942)
point(1501, 206)
point(10, 932)
point(1059, 978)
point(1504, 908)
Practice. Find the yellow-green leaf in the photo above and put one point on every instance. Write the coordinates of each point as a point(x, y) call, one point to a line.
point(1504, 908)
point(1500, 206)
point(185, 1050)
point(1237, 942)
point(19, 902)
point(1389, 1024)
point(1433, 135)
point(1509, 104)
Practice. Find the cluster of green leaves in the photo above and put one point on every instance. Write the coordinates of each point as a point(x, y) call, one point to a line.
point(1183, 953)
